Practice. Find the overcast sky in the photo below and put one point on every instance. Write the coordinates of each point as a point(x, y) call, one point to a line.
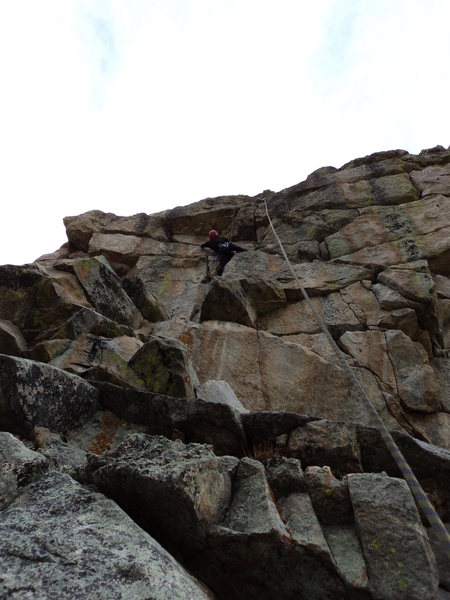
point(134, 106)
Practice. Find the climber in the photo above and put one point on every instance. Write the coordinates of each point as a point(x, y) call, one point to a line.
point(223, 248)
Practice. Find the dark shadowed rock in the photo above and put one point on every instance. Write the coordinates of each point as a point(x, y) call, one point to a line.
point(199, 421)
point(329, 496)
point(62, 541)
point(285, 475)
point(33, 301)
point(11, 339)
point(267, 425)
point(327, 443)
point(33, 393)
point(226, 301)
point(143, 298)
point(441, 557)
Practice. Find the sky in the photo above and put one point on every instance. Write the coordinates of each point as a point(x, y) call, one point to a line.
point(130, 106)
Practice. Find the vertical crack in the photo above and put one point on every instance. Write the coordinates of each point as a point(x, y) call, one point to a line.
point(263, 391)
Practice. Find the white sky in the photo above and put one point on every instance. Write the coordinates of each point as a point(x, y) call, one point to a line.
point(134, 106)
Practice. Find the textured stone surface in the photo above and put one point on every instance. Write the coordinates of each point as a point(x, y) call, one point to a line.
point(164, 367)
point(400, 563)
point(252, 509)
point(133, 301)
point(33, 302)
point(33, 393)
point(219, 392)
point(285, 475)
point(102, 359)
point(19, 466)
point(329, 496)
point(199, 421)
point(174, 491)
point(97, 552)
point(347, 552)
point(326, 443)
point(104, 290)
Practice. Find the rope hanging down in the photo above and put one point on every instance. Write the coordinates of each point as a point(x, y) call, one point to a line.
point(415, 487)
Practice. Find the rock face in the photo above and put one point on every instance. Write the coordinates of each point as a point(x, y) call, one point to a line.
point(214, 412)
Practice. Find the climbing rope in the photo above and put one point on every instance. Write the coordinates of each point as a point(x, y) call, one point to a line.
point(415, 487)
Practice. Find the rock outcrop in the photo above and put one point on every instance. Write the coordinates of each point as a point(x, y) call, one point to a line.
point(166, 433)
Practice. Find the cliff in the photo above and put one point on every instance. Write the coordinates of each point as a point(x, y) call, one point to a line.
point(168, 433)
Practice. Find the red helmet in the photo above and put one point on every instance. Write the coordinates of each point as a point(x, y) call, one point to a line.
point(212, 234)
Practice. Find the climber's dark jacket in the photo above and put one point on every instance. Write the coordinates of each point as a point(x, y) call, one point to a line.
point(224, 249)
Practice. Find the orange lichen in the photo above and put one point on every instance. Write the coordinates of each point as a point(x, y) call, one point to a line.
point(104, 439)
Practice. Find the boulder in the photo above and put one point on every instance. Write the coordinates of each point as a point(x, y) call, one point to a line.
point(298, 318)
point(285, 475)
point(164, 367)
point(86, 320)
point(442, 286)
point(97, 552)
point(19, 466)
point(221, 393)
point(103, 432)
point(412, 281)
point(33, 393)
point(265, 295)
point(173, 491)
point(143, 298)
point(252, 509)
point(320, 278)
point(432, 180)
point(432, 246)
point(441, 368)
point(327, 443)
point(102, 359)
point(226, 301)
point(79, 229)
point(32, 301)
point(104, 289)
point(329, 496)
point(388, 298)
point(441, 557)
point(303, 525)
point(403, 319)
point(175, 282)
point(348, 555)
point(400, 563)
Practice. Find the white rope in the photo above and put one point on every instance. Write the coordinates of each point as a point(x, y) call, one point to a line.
point(415, 487)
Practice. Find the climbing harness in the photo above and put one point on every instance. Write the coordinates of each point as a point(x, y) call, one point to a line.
point(415, 487)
